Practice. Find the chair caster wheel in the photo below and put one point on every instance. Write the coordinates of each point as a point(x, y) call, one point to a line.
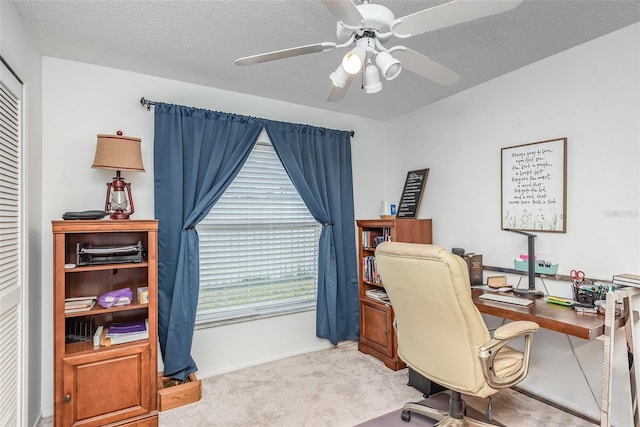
point(406, 416)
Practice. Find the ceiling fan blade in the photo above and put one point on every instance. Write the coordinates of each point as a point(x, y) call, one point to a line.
point(285, 53)
point(451, 13)
point(426, 67)
point(345, 11)
point(337, 93)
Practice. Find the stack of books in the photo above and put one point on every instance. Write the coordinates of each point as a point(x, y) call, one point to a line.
point(370, 269)
point(378, 294)
point(626, 280)
point(124, 332)
point(78, 304)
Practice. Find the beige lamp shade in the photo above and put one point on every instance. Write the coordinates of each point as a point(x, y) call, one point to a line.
point(118, 152)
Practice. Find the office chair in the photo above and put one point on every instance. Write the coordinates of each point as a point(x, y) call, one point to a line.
point(442, 335)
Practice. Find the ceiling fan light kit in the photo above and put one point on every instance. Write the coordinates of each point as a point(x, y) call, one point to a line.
point(369, 26)
point(372, 82)
point(353, 60)
point(388, 65)
point(340, 77)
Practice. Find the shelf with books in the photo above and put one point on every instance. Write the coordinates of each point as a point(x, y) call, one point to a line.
point(103, 281)
point(124, 332)
point(370, 270)
point(378, 294)
point(102, 318)
point(377, 335)
point(72, 268)
point(373, 237)
point(96, 310)
point(373, 284)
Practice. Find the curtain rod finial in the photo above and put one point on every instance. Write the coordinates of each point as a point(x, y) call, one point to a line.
point(145, 102)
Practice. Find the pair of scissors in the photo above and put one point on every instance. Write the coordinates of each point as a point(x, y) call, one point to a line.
point(577, 275)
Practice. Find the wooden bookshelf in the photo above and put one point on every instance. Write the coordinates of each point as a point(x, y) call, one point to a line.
point(377, 336)
point(97, 385)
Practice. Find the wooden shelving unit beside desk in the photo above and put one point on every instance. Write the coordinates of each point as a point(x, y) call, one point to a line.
point(377, 334)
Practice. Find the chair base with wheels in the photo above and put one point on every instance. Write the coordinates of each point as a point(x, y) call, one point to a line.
point(454, 417)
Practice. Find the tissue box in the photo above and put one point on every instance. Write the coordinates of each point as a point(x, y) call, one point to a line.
point(143, 295)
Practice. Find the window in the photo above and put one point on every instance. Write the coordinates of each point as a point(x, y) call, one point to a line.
point(258, 246)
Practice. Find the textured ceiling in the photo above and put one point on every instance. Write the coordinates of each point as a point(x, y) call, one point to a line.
point(197, 42)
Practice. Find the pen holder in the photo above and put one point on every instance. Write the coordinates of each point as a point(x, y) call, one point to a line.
point(587, 292)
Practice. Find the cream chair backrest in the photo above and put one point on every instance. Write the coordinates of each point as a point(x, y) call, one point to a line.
point(439, 328)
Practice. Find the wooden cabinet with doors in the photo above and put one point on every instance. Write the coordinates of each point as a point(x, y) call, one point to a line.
point(377, 336)
point(97, 384)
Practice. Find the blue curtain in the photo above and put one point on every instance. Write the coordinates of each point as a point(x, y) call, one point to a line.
point(197, 154)
point(318, 161)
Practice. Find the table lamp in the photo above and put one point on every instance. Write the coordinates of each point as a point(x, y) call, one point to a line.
point(118, 152)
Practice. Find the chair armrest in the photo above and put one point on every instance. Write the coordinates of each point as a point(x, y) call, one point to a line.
point(515, 329)
point(501, 338)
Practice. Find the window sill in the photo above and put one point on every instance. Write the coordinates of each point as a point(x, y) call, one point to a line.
point(205, 324)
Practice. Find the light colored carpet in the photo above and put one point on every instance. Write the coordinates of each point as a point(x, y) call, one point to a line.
point(335, 387)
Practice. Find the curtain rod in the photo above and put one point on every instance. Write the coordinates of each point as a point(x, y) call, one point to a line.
point(149, 104)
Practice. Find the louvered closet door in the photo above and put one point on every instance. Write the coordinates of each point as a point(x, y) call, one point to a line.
point(11, 251)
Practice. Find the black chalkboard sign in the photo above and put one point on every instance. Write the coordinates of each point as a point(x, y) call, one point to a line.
point(412, 193)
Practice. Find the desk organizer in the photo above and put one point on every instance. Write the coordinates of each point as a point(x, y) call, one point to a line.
point(87, 255)
point(587, 292)
point(524, 266)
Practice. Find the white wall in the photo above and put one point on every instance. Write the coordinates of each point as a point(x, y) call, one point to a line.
point(21, 53)
point(589, 94)
point(82, 100)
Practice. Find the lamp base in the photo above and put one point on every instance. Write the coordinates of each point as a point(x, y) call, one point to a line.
point(118, 204)
point(529, 292)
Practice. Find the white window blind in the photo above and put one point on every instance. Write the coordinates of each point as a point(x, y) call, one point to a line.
point(258, 246)
point(11, 250)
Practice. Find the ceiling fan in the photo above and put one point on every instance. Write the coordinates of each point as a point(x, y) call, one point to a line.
point(367, 27)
